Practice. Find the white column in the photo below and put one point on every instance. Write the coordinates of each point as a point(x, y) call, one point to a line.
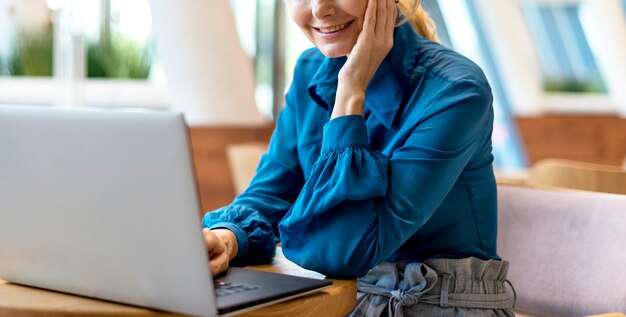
point(209, 77)
point(605, 27)
point(514, 54)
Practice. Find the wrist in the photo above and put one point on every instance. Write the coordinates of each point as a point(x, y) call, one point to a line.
point(230, 241)
point(348, 101)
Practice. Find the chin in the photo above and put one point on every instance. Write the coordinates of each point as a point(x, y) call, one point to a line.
point(333, 52)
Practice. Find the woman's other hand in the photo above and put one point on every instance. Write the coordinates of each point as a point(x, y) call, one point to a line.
point(372, 46)
point(222, 247)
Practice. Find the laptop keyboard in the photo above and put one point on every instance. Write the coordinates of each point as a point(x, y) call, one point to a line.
point(224, 289)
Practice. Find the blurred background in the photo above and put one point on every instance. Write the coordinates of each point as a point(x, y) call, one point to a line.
point(557, 69)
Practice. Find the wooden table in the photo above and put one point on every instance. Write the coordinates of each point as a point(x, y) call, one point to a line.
point(22, 301)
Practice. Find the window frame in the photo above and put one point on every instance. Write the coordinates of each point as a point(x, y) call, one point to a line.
point(25, 90)
point(523, 80)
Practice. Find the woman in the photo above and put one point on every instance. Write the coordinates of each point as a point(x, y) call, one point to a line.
point(379, 168)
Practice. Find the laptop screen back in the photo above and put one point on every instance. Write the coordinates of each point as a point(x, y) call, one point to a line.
point(102, 203)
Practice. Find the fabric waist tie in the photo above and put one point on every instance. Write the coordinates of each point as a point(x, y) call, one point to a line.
point(462, 283)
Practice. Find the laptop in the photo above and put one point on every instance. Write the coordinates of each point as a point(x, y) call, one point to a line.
point(103, 203)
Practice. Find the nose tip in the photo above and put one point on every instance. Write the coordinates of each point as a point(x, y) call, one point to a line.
point(322, 8)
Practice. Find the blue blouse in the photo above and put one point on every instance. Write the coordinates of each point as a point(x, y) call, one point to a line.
point(412, 179)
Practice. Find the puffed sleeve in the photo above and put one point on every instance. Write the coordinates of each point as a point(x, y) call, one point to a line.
point(254, 215)
point(359, 206)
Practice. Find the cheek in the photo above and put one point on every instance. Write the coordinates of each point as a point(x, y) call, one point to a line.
point(298, 12)
point(355, 8)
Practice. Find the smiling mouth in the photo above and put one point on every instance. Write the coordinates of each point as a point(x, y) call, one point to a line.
point(333, 29)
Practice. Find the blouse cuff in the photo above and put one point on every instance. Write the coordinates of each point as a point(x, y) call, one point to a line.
point(343, 132)
point(242, 238)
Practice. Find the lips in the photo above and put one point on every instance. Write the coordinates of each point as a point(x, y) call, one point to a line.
point(333, 28)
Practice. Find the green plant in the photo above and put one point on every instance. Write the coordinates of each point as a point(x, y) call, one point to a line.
point(3, 68)
point(32, 53)
point(118, 57)
point(574, 85)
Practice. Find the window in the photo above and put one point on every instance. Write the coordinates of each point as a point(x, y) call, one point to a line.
point(103, 47)
point(26, 39)
point(119, 45)
point(261, 38)
point(115, 36)
point(468, 37)
point(434, 10)
point(568, 64)
point(560, 60)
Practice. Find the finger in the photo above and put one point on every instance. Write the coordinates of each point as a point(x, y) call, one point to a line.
point(369, 21)
point(391, 18)
point(219, 264)
point(210, 240)
point(381, 17)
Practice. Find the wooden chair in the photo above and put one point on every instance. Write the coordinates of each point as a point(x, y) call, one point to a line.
point(243, 160)
point(560, 173)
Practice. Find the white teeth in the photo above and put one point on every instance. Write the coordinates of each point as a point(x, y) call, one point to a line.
point(333, 29)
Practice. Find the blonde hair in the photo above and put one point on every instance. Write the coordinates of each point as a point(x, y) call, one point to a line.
point(419, 19)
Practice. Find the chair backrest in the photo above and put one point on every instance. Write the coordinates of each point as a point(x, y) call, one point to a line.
point(567, 250)
point(578, 175)
point(243, 160)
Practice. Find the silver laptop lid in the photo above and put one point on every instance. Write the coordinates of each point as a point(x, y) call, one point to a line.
point(102, 203)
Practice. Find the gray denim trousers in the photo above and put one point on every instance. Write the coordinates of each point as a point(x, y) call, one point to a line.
point(467, 287)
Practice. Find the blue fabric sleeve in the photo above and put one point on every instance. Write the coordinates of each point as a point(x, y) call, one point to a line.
point(358, 206)
point(254, 215)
